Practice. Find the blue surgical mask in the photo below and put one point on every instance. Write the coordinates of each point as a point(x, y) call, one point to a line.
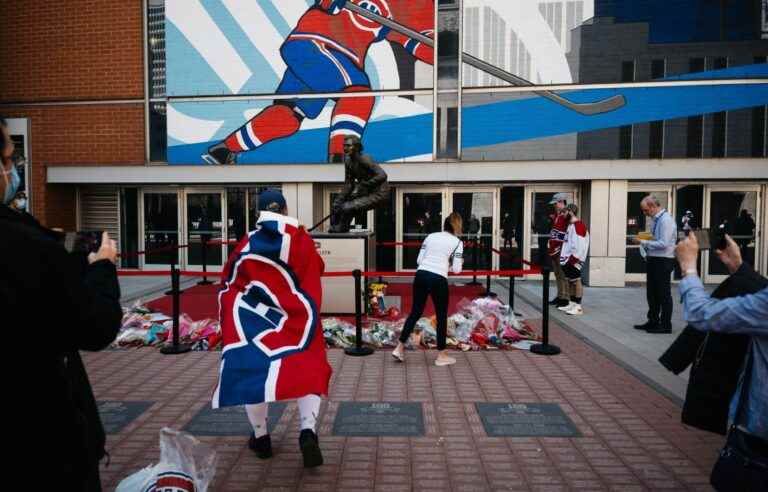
point(14, 180)
point(21, 204)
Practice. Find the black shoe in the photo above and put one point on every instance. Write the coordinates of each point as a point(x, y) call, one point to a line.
point(646, 326)
point(660, 329)
point(310, 449)
point(220, 155)
point(262, 446)
point(562, 302)
point(555, 302)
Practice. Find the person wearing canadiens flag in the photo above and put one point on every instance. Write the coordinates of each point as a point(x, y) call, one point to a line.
point(269, 307)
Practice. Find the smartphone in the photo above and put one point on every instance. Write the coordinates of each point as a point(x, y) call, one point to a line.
point(711, 238)
point(83, 241)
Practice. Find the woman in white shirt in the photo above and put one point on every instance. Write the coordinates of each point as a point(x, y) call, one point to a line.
point(439, 252)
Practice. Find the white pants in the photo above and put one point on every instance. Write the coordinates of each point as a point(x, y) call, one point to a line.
point(309, 408)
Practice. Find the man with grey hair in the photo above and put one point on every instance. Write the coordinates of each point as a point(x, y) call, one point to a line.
point(660, 256)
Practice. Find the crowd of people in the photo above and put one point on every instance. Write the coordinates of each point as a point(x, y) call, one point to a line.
point(277, 261)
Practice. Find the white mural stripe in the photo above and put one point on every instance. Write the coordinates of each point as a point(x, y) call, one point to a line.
point(191, 18)
point(187, 129)
point(260, 31)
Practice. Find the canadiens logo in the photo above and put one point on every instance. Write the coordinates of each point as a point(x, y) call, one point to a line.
point(172, 482)
point(380, 7)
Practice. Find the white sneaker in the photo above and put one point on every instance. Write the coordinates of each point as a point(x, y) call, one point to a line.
point(400, 357)
point(567, 306)
point(576, 310)
point(444, 361)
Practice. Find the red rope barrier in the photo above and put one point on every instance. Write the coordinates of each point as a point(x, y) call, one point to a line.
point(189, 273)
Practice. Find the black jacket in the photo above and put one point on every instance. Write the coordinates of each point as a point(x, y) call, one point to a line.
point(52, 305)
point(716, 360)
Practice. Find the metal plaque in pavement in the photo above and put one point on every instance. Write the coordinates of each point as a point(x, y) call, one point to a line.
point(355, 418)
point(230, 421)
point(115, 415)
point(525, 420)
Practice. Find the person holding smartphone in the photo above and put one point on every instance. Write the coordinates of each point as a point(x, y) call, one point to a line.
point(59, 308)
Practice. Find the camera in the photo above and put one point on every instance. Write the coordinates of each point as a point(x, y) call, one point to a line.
point(82, 241)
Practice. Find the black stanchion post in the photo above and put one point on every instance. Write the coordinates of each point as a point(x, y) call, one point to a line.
point(175, 347)
point(205, 280)
point(358, 350)
point(545, 348)
point(512, 295)
point(474, 262)
point(488, 291)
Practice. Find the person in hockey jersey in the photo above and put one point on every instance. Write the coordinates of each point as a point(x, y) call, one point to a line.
point(365, 186)
point(269, 307)
point(556, 237)
point(326, 52)
point(572, 256)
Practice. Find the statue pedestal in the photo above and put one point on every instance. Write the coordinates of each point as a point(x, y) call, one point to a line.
point(344, 253)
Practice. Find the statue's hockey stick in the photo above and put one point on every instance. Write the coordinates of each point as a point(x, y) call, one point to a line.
point(587, 108)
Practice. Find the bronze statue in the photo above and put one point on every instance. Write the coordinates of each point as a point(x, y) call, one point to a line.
point(365, 186)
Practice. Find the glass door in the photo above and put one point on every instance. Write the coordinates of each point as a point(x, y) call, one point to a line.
point(737, 210)
point(637, 222)
point(511, 219)
point(423, 214)
point(477, 208)
point(160, 229)
point(204, 222)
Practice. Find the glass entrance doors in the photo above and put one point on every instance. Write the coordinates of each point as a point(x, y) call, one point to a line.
point(637, 222)
point(204, 222)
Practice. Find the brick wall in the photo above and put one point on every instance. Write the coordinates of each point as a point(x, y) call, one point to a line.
point(78, 49)
point(91, 135)
point(66, 52)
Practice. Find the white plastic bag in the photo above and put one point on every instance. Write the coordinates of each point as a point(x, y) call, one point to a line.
point(186, 464)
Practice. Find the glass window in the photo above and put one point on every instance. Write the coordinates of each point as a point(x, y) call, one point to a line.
point(735, 212)
point(129, 227)
point(422, 215)
point(156, 47)
point(637, 222)
point(628, 71)
point(658, 69)
point(694, 144)
point(158, 136)
point(236, 226)
point(161, 228)
point(476, 210)
point(204, 223)
point(384, 218)
point(512, 201)
point(656, 140)
point(719, 121)
point(689, 204)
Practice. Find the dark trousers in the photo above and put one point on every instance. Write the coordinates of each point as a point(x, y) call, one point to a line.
point(436, 286)
point(658, 291)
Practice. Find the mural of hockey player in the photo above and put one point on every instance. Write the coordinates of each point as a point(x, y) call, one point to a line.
point(365, 186)
point(326, 52)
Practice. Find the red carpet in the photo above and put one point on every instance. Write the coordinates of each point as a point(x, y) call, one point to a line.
point(201, 301)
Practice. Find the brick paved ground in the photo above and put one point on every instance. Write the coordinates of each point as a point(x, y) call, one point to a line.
point(632, 436)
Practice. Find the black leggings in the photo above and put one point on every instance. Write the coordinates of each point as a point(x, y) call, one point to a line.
point(428, 283)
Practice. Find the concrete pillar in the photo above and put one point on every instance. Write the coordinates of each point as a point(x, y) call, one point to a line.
point(606, 214)
point(299, 198)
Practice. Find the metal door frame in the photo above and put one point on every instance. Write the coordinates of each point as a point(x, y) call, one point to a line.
point(443, 191)
point(201, 190)
point(655, 188)
point(143, 265)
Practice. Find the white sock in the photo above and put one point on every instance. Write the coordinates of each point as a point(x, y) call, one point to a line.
point(309, 409)
point(257, 415)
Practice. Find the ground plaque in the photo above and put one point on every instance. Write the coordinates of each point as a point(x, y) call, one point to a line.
point(230, 421)
point(115, 415)
point(525, 420)
point(356, 418)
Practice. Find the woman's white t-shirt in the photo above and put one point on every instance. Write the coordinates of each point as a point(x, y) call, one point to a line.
point(436, 252)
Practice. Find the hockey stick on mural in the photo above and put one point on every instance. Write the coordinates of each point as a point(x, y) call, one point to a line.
point(587, 108)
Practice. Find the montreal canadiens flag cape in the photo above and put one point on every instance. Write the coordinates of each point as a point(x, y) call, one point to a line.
point(269, 307)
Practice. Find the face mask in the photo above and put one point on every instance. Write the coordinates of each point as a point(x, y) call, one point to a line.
point(20, 204)
point(14, 180)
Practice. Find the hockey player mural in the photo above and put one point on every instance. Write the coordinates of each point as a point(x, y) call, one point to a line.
point(325, 53)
